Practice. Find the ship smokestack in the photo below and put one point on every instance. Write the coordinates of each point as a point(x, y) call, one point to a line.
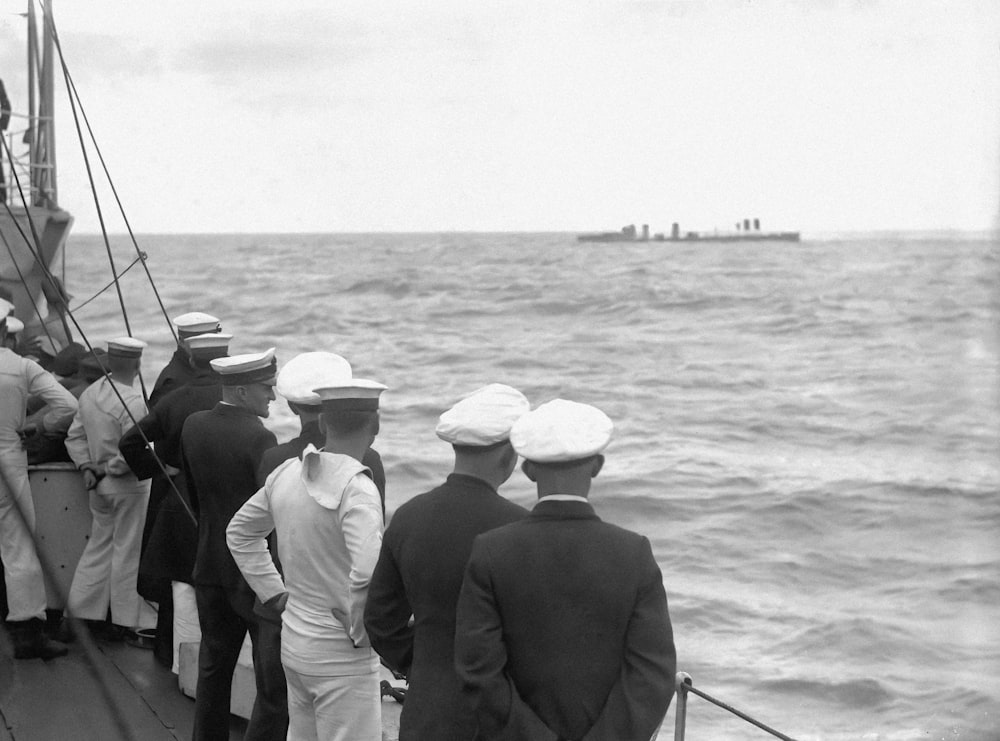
point(756, 225)
point(675, 230)
point(645, 232)
point(746, 225)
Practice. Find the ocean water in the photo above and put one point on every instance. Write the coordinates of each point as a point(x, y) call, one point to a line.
point(809, 434)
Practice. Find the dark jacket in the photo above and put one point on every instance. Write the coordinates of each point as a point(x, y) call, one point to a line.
point(419, 572)
point(177, 372)
point(563, 630)
point(169, 547)
point(221, 450)
point(164, 423)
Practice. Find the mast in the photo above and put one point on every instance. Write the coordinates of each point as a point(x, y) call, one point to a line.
point(41, 135)
point(30, 135)
point(48, 197)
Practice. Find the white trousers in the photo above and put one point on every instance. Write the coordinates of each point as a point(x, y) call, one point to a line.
point(21, 567)
point(333, 708)
point(107, 572)
point(187, 629)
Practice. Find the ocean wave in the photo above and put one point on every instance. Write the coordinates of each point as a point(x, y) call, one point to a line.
point(389, 287)
point(868, 694)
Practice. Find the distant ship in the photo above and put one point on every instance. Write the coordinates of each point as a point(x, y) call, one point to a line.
point(745, 231)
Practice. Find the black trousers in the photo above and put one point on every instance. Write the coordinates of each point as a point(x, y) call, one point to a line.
point(225, 617)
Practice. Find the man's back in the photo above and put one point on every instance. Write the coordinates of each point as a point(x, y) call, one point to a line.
point(175, 374)
point(221, 449)
point(21, 378)
point(581, 606)
point(424, 553)
point(312, 435)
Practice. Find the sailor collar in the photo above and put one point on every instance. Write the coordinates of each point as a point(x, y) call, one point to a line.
point(325, 476)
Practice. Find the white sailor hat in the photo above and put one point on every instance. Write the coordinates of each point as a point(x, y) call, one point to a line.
point(561, 430)
point(125, 347)
point(211, 345)
point(355, 394)
point(196, 322)
point(484, 417)
point(241, 370)
point(6, 307)
point(303, 373)
point(14, 325)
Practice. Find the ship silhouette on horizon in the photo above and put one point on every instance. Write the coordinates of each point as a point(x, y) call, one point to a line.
point(746, 231)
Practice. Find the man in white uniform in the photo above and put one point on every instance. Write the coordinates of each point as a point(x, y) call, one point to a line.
point(107, 571)
point(327, 515)
point(20, 379)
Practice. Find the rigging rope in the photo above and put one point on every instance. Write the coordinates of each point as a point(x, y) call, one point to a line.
point(110, 283)
point(51, 279)
point(114, 387)
point(71, 88)
point(93, 189)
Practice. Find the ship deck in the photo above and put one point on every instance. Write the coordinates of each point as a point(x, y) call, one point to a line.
point(114, 691)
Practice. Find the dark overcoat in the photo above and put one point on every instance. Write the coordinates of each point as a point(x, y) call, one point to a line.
point(221, 450)
point(169, 547)
point(563, 630)
point(419, 572)
point(175, 374)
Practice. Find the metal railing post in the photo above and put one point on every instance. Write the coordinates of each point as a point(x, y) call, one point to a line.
point(682, 681)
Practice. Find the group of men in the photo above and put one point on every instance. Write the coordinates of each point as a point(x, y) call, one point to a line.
point(507, 623)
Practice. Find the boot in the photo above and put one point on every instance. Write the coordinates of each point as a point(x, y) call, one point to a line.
point(30, 641)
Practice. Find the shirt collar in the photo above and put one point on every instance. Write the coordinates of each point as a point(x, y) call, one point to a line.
point(562, 498)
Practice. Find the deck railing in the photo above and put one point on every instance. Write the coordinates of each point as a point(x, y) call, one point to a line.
point(685, 685)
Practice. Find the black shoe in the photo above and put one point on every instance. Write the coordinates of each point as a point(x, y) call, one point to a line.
point(30, 641)
point(59, 630)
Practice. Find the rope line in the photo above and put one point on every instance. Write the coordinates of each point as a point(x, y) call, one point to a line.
point(90, 178)
point(110, 283)
point(71, 87)
point(83, 335)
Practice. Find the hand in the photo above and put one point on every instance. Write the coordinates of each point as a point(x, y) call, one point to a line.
point(171, 471)
point(272, 609)
point(277, 602)
point(29, 429)
point(89, 479)
point(342, 619)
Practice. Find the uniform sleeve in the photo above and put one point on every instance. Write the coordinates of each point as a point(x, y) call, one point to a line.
point(361, 524)
point(135, 451)
point(192, 486)
point(388, 611)
point(61, 404)
point(76, 442)
point(373, 460)
point(133, 412)
point(639, 699)
point(246, 537)
point(481, 660)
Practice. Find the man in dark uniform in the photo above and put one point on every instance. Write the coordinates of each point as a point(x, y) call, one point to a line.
point(180, 370)
point(423, 557)
point(296, 381)
point(563, 630)
point(221, 451)
point(171, 538)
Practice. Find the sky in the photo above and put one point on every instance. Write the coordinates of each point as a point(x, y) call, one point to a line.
point(562, 115)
